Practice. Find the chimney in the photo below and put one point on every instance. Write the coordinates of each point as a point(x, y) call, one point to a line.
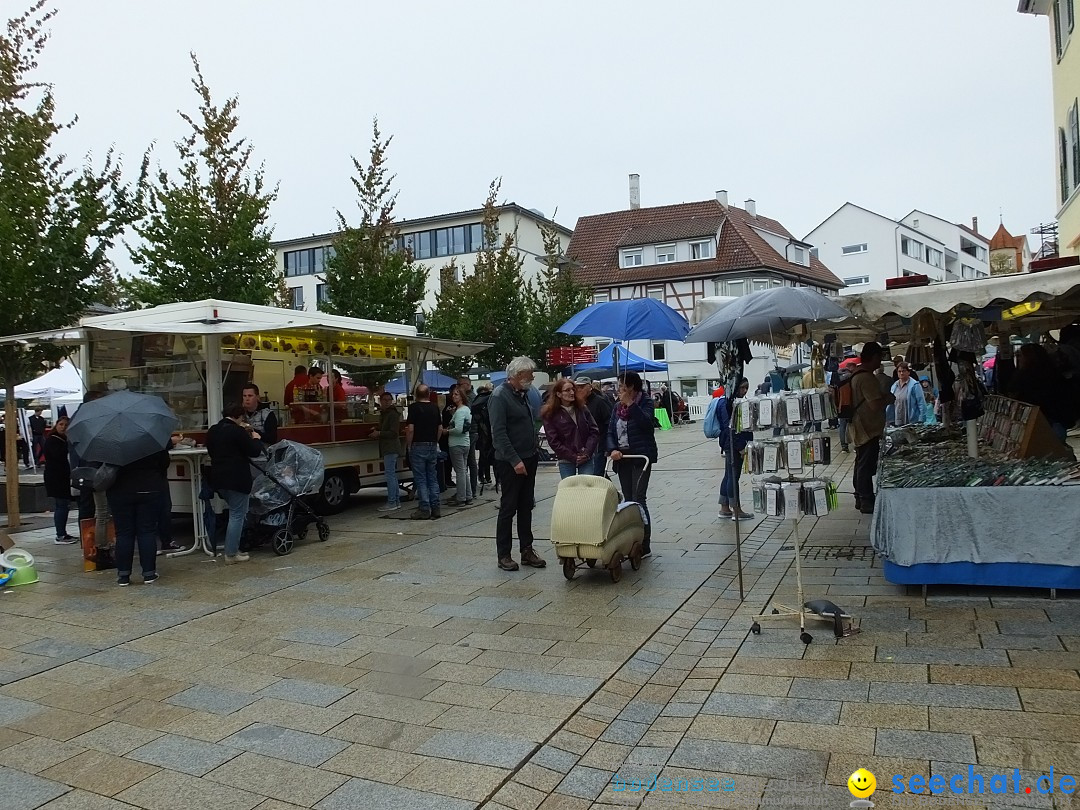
point(975, 224)
point(751, 207)
point(721, 197)
point(635, 191)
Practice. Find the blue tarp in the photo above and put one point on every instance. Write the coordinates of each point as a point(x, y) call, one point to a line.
point(628, 361)
point(432, 379)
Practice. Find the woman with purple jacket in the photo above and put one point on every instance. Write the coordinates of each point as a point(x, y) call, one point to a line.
point(571, 431)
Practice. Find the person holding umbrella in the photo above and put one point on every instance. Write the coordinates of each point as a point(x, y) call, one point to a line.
point(232, 443)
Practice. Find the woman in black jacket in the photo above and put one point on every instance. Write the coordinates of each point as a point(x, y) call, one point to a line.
point(58, 479)
point(631, 432)
point(232, 444)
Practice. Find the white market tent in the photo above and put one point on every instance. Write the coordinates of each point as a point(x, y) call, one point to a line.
point(64, 381)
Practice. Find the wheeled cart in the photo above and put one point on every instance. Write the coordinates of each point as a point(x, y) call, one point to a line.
point(590, 526)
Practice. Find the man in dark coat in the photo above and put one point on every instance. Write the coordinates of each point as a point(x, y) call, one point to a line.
point(600, 407)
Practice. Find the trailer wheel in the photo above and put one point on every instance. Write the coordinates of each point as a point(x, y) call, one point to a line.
point(569, 567)
point(333, 493)
point(591, 562)
point(324, 532)
point(615, 567)
point(282, 542)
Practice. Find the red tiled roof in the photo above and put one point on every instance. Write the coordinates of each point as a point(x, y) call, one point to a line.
point(597, 238)
point(1002, 239)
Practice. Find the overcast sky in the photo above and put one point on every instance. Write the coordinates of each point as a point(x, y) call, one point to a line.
point(942, 105)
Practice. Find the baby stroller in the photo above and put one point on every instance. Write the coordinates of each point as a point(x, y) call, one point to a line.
point(588, 523)
point(278, 511)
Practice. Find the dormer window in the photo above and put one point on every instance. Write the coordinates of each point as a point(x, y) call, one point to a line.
point(632, 258)
point(665, 254)
point(797, 255)
point(702, 250)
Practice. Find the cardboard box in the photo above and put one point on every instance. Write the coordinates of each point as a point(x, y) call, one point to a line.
point(5, 541)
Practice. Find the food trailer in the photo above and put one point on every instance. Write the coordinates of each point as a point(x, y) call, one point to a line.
point(198, 355)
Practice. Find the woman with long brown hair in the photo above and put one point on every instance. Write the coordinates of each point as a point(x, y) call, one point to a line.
point(570, 429)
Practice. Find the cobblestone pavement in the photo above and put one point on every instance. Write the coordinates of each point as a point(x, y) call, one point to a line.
point(396, 667)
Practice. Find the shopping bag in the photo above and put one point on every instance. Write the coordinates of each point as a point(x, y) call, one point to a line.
point(663, 418)
point(88, 537)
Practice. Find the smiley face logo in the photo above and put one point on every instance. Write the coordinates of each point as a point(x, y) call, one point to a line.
point(862, 784)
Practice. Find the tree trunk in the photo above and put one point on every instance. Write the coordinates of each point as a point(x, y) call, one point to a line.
point(11, 454)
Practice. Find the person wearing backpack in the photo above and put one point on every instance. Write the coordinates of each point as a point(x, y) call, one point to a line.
point(718, 421)
point(869, 403)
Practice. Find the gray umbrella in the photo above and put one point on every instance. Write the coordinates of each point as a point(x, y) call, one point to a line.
point(121, 427)
point(760, 315)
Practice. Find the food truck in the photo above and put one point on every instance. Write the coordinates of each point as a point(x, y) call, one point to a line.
point(199, 355)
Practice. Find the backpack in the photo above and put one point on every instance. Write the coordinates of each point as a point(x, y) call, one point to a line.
point(841, 386)
point(712, 425)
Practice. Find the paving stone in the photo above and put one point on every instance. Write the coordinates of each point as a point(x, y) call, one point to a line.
point(57, 724)
point(555, 759)
point(481, 749)
point(624, 731)
point(115, 738)
point(98, 772)
point(169, 790)
point(879, 715)
point(212, 699)
point(36, 754)
point(754, 760)
point(368, 762)
point(824, 689)
point(754, 684)
point(773, 708)
point(933, 655)
point(308, 635)
point(23, 791)
point(1011, 676)
point(1028, 725)
point(119, 658)
point(285, 781)
point(732, 729)
point(298, 691)
point(361, 793)
point(82, 800)
point(283, 743)
point(14, 709)
point(383, 733)
point(1005, 752)
point(189, 756)
point(935, 745)
point(932, 694)
point(550, 684)
point(57, 648)
point(1055, 701)
point(1018, 642)
point(462, 780)
point(816, 737)
point(584, 783)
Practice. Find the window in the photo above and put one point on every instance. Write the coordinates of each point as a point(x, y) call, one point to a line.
point(631, 258)
point(665, 254)
point(915, 224)
point(476, 237)
point(442, 242)
point(688, 388)
point(659, 350)
point(911, 247)
point(702, 250)
point(1063, 166)
point(296, 294)
point(967, 272)
point(457, 240)
point(934, 257)
point(423, 245)
point(760, 284)
point(1064, 20)
point(600, 296)
point(655, 291)
point(602, 344)
point(797, 255)
point(321, 295)
point(737, 287)
point(777, 282)
point(851, 282)
point(847, 250)
point(1074, 136)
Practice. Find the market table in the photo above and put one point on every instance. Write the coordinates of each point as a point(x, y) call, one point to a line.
point(188, 463)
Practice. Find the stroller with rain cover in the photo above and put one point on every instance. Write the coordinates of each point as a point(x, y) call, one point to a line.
point(278, 511)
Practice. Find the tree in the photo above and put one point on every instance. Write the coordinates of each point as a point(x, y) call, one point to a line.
point(488, 305)
point(206, 234)
point(1002, 264)
point(56, 224)
point(367, 275)
point(553, 299)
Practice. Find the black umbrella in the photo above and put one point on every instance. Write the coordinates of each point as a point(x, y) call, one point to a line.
point(761, 315)
point(121, 428)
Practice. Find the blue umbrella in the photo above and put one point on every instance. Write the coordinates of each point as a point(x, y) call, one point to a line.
point(432, 379)
point(635, 319)
point(616, 358)
point(121, 428)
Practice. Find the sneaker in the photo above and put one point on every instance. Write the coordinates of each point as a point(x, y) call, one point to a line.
point(531, 558)
point(123, 579)
point(455, 502)
point(435, 514)
point(238, 557)
point(724, 515)
point(743, 516)
point(845, 448)
point(389, 507)
point(420, 514)
point(507, 564)
point(66, 540)
point(149, 578)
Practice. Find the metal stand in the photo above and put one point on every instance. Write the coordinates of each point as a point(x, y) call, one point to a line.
point(783, 611)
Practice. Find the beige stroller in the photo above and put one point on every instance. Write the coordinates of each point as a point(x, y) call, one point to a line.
point(588, 523)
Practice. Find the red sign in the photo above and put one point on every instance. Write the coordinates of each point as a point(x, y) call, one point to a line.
point(571, 355)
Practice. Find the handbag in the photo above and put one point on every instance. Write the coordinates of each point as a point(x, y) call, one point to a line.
point(82, 478)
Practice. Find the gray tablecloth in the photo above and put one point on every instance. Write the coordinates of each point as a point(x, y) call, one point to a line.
point(978, 524)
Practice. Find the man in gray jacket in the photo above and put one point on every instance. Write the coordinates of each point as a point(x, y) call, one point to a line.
point(513, 434)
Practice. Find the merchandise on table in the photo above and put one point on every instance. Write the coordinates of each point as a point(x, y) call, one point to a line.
point(948, 465)
point(789, 410)
point(776, 497)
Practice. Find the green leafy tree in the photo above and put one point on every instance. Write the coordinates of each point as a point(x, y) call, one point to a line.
point(205, 233)
point(488, 305)
point(56, 224)
point(367, 276)
point(552, 299)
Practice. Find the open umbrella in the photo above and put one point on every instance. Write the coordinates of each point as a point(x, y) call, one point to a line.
point(121, 428)
point(759, 315)
point(633, 319)
point(615, 358)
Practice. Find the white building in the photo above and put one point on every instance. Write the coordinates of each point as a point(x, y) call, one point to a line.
point(865, 248)
point(434, 242)
point(681, 253)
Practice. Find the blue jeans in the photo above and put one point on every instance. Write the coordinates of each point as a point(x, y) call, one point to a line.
point(393, 489)
point(424, 456)
point(569, 468)
point(730, 484)
point(238, 509)
point(61, 508)
point(599, 462)
point(136, 516)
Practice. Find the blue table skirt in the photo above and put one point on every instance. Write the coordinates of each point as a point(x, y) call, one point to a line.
point(1012, 575)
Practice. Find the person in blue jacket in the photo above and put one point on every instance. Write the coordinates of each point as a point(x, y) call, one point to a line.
point(732, 461)
point(631, 432)
point(910, 399)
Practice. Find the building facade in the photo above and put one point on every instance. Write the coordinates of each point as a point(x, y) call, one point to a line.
point(434, 241)
point(1008, 254)
point(679, 254)
point(1065, 70)
point(865, 248)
